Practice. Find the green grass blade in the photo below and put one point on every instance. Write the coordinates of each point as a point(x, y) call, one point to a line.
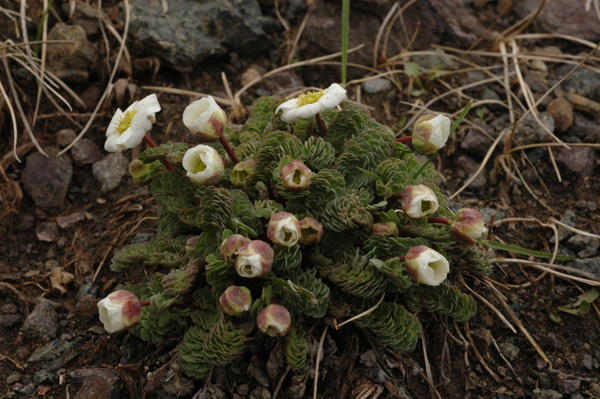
point(523, 251)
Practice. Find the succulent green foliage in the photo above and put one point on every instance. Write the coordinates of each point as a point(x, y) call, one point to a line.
point(296, 347)
point(392, 325)
point(443, 299)
point(160, 251)
point(358, 170)
point(173, 152)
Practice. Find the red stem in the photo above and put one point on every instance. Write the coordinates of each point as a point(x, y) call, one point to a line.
point(321, 124)
point(402, 258)
point(145, 303)
point(404, 139)
point(438, 220)
point(165, 162)
point(228, 150)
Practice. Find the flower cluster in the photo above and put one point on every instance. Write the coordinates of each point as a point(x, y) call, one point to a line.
point(262, 224)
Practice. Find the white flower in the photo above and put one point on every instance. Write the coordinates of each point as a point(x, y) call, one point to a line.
point(309, 104)
point(426, 266)
point(283, 229)
point(419, 201)
point(203, 165)
point(254, 259)
point(206, 118)
point(274, 320)
point(119, 310)
point(431, 133)
point(127, 129)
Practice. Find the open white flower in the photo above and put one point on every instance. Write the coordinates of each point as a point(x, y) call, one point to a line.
point(309, 104)
point(426, 266)
point(119, 310)
point(283, 229)
point(431, 133)
point(203, 165)
point(127, 129)
point(419, 201)
point(254, 259)
point(206, 118)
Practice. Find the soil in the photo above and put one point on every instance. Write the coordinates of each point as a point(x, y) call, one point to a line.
point(511, 348)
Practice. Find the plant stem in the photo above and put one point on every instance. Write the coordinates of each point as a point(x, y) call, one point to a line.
point(395, 197)
point(145, 303)
point(228, 150)
point(321, 125)
point(404, 139)
point(438, 220)
point(165, 162)
point(402, 258)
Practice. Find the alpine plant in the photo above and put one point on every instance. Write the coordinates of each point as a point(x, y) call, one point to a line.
point(310, 210)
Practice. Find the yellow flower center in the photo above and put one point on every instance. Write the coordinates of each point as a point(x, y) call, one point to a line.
point(200, 166)
point(310, 97)
point(125, 121)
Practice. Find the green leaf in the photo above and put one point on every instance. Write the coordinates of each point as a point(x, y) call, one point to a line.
point(555, 318)
point(523, 251)
point(582, 305)
point(412, 69)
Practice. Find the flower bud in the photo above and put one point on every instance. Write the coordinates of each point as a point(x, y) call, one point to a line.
point(419, 201)
point(203, 165)
point(190, 247)
point(235, 301)
point(205, 118)
point(431, 133)
point(274, 320)
point(231, 245)
point(295, 175)
point(141, 172)
point(388, 229)
point(426, 266)
point(283, 229)
point(119, 311)
point(467, 226)
point(254, 259)
point(311, 231)
point(241, 171)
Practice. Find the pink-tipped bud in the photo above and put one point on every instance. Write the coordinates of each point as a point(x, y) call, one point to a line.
point(311, 231)
point(431, 133)
point(119, 311)
point(274, 320)
point(254, 259)
point(190, 247)
point(426, 266)
point(205, 118)
point(241, 171)
point(388, 229)
point(236, 301)
point(419, 201)
point(283, 229)
point(231, 245)
point(467, 226)
point(295, 175)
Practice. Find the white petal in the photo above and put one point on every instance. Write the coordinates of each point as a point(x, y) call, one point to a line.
point(290, 104)
point(114, 122)
point(111, 315)
point(111, 144)
point(309, 110)
point(333, 96)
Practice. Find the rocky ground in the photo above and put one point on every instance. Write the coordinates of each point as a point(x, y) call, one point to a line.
point(64, 217)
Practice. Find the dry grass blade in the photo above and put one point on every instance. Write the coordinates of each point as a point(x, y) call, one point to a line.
point(318, 361)
point(363, 314)
point(479, 357)
point(11, 111)
point(591, 279)
point(294, 46)
point(189, 93)
point(42, 66)
point(386, 20)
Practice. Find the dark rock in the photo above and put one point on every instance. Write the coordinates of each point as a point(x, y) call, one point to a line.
point(469, 166)
point(475, 142)
point(562, 113)
point(70, 61)
point(488, 212)
point(183, 39)
point(47, 232)
point(54, 355)
point(591, 265)
point(84, 16)
point(584, 246)
point(546, 394)
point(562, 16)
point(111, 170)
point(96, 383)
point(585, 129)
point(43, 376)
point(13, 377)
point(568, 218)
point(27, 389)
point(482, 339)
point(86, 152)
point(569, 386)
point(536, 84)
point(10, 320)
point(589, 362)
point(9, 308)
point(65, 137)
point(435, 59)
point(140, 238)
point(373, 86)
point(69, 220)
point(529, 130)
point(46, 180)
point(578, 160)
point(583, 82)
point(41, 323)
